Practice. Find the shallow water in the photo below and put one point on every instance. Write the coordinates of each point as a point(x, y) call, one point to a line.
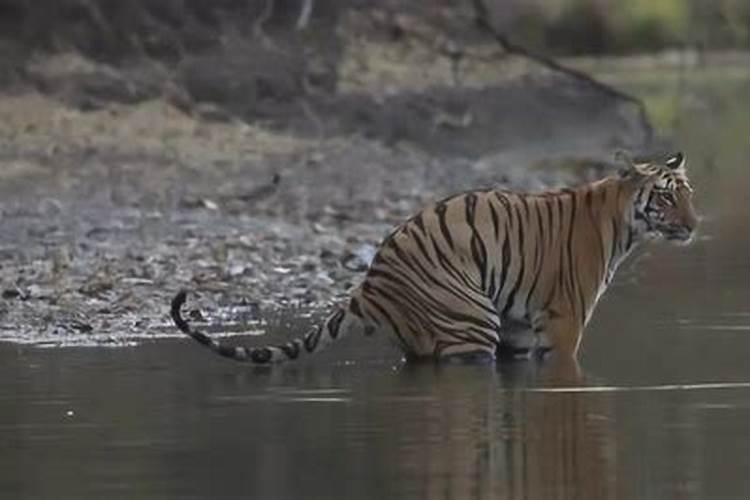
point(168, 421)
point(662, 410)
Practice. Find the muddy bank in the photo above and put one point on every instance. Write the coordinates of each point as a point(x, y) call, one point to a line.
point(126, 177)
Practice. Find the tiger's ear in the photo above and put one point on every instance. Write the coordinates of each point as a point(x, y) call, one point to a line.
point(632, 168)
point(676, 161)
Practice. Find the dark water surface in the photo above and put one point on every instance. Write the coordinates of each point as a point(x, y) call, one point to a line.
point(662, 411)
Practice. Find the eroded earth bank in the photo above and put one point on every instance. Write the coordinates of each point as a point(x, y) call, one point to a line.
point(256, 156)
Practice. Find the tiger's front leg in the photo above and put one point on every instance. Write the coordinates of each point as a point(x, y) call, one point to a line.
point(560, 332)
point(537, 336)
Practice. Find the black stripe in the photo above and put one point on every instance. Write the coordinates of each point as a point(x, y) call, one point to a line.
point(510, 299)
point(175, 308)
point(419, 221)
point(202, 338)
point(415, 309)
point(390, 321)
point(631, 235)
point(334, 323)
point(440, 210)
point(312, 338)
point(541, 224)
point(505, 265)
point(588, 199)
point(228, 351)
point(355, 308)
point(503, 199)
point(442, 345)
point(491, 289)
point(291, 349)
point(470, 207)
point(521, 235)
point(495, 219)
point(477, 246)
point(422, 248)
point(525, 206)
point(537, 257)
point(479, 255)
point(261, 355)
point(415, 266)
point(448, 266)
point(403, 282)
point(406, 282)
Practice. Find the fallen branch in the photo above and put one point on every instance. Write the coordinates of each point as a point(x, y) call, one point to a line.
point(305, 13)
point(482, 19)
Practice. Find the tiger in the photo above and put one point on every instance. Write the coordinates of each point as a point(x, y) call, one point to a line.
point(488, 273)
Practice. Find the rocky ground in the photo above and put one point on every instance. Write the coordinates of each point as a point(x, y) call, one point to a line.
point(121, 183)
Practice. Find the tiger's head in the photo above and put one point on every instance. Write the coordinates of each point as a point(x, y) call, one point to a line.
point(662, 205)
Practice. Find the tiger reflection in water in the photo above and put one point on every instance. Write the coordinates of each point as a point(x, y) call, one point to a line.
point(503, 435)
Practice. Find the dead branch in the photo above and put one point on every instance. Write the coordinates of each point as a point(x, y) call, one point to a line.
point(482, 19)
point(305, 13)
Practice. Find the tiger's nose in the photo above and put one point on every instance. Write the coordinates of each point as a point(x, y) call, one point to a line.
point(690, 220)
point(691, 223)
point(688, 229)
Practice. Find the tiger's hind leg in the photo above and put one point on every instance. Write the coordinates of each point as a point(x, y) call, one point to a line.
point(476, 343)
point(448, 320)
point(460, 349)
point(471, 335)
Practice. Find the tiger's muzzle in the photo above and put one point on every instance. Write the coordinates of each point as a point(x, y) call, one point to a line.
point(679, 234)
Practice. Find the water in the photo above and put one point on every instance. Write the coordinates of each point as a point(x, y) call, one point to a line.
point(661, 412)
point(168, 421)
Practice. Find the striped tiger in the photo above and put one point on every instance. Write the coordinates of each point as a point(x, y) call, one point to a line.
point(487, 272)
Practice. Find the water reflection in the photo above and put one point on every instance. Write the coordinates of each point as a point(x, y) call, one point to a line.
point(170, 421)
point(564, 447)
point(488, 436)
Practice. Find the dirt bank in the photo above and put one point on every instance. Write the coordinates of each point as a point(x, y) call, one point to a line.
point(261, 171)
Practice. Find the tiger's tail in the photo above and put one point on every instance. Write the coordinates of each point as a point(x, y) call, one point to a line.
point(335, 326)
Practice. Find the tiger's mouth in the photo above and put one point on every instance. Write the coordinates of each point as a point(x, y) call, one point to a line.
point(678, 234)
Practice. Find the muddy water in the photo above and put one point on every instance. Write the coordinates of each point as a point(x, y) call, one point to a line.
point(661, 412)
